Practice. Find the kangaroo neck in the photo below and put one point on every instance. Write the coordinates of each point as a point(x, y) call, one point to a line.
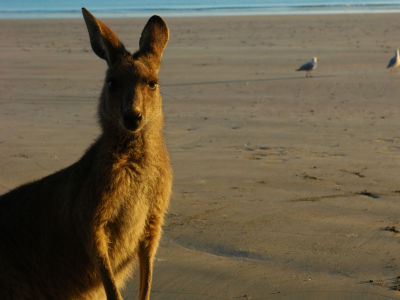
point(132, 146)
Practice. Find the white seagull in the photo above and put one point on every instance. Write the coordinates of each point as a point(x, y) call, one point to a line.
point(309, 66)
point(394, 62)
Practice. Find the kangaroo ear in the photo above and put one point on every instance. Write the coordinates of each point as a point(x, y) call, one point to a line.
point(105, 43)
point(154, 37)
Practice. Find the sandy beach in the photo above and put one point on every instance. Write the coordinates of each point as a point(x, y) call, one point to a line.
point(285, 187)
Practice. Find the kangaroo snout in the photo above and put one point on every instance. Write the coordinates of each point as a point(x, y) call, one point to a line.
point(132, 120)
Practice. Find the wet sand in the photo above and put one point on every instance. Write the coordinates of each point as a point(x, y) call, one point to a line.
point(285, 187)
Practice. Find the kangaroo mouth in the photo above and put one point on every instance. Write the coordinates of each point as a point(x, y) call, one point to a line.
point(132, 121)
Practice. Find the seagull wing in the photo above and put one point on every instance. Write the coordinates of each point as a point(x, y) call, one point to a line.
point(306, 67)
point(392, 62)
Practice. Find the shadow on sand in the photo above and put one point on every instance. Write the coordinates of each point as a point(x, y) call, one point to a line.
point(243, 81)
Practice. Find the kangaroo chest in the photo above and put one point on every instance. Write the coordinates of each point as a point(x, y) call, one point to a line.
point(134, 189)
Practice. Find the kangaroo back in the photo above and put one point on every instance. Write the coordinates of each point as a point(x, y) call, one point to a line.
point(76, 234)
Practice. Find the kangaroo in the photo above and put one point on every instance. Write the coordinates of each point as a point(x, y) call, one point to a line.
point(77, 233)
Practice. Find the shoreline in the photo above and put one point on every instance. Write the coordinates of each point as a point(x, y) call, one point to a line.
point(77, 14)
point(238, 17)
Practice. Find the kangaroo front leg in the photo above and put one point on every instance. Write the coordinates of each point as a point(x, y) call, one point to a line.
point(147, 250)
point(103, 265)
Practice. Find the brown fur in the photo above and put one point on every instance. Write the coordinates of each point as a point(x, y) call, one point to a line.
point(75, 234)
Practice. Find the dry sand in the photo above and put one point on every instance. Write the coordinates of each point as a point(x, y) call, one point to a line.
point(283, 185)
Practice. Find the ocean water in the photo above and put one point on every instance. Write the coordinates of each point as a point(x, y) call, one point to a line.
point(17, 9)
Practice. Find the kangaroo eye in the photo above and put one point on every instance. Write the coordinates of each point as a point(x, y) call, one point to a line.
point(153, 85)
point(111, 83)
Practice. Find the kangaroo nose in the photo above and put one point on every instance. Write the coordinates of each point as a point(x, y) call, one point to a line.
point(132, 120)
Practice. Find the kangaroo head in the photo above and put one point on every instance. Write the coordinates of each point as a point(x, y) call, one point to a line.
point(130, 97)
